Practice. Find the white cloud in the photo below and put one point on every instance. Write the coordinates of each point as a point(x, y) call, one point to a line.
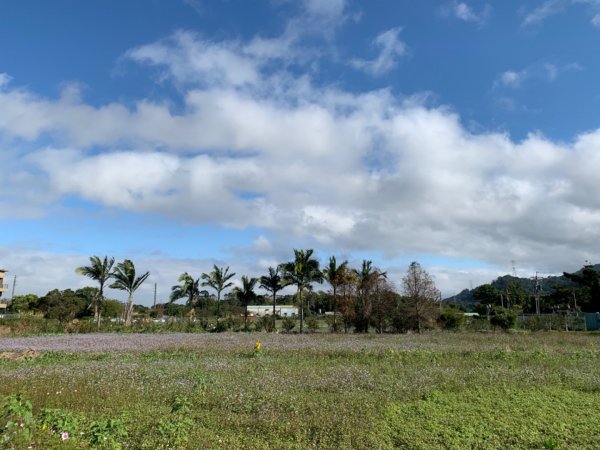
point(4, 79)
point(190, 59)
point(549, 8)
point(539, 71)
point(512, 78)
point(329, 9)
point(466, 13)
point(318, 166)
point(391, 48)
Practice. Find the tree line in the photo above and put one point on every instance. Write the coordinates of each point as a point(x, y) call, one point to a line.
point(358, 299)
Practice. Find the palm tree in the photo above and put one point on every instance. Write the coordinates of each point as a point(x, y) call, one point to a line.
point(366, 281)
point(245, 295)
point(218, 280)
point(302, 272)
point(273, 284)
point(101, 271)
point(125, 280)
point(335, 276)
point(189, 288)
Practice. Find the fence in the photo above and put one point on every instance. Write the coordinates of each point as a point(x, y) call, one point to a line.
point(564, 322)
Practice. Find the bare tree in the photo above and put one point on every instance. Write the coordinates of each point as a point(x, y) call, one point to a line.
point(420, 301)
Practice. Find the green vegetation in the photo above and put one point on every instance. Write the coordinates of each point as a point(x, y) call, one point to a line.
point(359, 300)
point(432, 391)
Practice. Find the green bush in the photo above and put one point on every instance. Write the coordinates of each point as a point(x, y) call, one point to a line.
point(503, 318)
point(288, 324)
point(451, 319)
point(174, 429)
point(28, 324)
point(108, 433)
point(17, 422)
point(264, 323)
point(312, 324)
point(59, 421)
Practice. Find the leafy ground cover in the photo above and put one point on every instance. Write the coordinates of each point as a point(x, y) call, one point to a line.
point(438, 390)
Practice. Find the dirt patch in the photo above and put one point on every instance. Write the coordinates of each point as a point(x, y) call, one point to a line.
point(4, 330)
point(19, 356)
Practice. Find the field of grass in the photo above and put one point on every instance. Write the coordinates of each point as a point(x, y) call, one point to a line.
point(212, 391)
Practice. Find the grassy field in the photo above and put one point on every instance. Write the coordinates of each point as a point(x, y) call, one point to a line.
point(211, 391)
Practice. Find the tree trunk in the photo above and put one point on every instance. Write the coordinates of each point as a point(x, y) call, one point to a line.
point(246, 318)
point(97, 309)
point(129, 311)
point(301, 310)
point(218, 305)
point(334, 310)
point(274, 321)
point(96, 314)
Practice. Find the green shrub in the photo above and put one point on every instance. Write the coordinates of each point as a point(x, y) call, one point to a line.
point(59, 421)
point(288, 323)
point(17, 422)
point(108, 433)
point(451, 319)
point(503, 318)
point(264, 323)
point(339, 323)
point(312, 324)
point(28, 324)
point(174, 429)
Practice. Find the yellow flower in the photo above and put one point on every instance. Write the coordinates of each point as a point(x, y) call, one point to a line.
point(257, 347)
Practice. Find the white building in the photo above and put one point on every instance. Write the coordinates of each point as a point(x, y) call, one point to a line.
point(267, 310)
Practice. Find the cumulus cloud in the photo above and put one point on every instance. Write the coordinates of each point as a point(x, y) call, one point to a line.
point(390, 46)
point(337, 170)
point(193, 60)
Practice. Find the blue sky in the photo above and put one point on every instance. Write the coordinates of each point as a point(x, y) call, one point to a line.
point(180, 134)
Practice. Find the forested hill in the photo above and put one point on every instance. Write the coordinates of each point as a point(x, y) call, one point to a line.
point(467, 300)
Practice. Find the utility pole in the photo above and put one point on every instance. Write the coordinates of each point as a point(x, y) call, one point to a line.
point(154, 306)
point(538, 289)
point(13, 289)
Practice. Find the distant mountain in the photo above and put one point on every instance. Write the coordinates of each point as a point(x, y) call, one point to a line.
point(466, 300)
